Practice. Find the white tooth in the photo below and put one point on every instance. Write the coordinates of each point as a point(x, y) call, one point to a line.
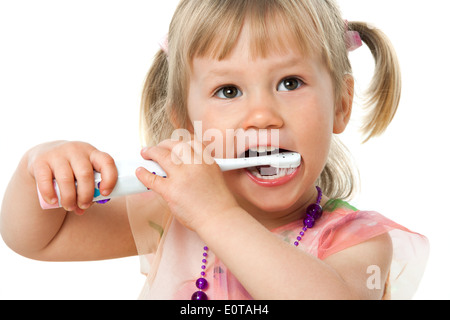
point(281, 172)
point(262, 149)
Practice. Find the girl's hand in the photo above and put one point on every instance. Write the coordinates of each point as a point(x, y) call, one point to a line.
point(68, 162)
point(194, 188)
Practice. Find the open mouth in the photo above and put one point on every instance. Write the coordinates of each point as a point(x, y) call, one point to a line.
point(267, 172)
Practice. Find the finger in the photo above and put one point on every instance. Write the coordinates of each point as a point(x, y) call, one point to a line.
point(168, 143)
point(150, 180)
point(44, 179)
point(185, 153)
point(201, 152)
point(105, 164)
point(84, 175)
point(79, 211)
point(163, 155)
point(66, 183)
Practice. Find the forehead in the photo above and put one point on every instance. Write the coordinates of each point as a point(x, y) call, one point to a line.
point(241, 61)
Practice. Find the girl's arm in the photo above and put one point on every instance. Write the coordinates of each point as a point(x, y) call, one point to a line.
point(96, 232)
point(266, 266)
point(270, 268)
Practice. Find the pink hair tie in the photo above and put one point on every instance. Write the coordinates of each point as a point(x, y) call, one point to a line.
point(353, 40)
point(164, 44)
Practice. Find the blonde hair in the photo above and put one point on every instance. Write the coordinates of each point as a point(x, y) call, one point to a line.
point(212, 27)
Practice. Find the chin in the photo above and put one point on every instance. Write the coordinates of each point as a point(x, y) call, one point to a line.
point(271, 202)
point(267, 199)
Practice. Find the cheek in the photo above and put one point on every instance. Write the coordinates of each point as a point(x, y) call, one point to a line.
point(313, 118)
point(215, 133)
point(314, 129)
point(194, 107)
point(214, 130)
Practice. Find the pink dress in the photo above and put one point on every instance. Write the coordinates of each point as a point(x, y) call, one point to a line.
point(171, 254)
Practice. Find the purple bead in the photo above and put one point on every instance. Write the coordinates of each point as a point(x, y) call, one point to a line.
point(296, 243)
point(202, 283)
point(314, 211)
point(103, 201)
point(309, 222)
point(199, 295)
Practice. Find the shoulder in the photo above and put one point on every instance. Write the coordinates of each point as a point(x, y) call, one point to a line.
point(344, 226)
point(374, 245)
point(357, 245)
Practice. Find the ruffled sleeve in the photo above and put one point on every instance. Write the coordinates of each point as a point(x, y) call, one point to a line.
point(346, 228)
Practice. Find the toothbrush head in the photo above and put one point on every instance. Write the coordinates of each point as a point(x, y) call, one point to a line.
point(286, 160)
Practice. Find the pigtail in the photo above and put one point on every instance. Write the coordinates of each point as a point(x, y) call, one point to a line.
point(154, 123)
point(383, 95)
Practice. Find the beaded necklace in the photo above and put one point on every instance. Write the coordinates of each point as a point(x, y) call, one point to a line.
point(313, 214)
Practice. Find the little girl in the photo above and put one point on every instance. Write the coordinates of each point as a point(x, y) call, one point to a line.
point(279, 68)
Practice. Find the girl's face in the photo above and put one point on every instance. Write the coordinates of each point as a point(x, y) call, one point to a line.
point(287, 92)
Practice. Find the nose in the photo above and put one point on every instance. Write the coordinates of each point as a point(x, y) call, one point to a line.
point(262, 112)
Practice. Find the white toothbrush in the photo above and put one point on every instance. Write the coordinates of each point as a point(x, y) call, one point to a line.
point(283, 160)
point(128, 183)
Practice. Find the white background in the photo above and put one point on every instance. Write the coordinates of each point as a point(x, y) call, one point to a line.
point(75, 69)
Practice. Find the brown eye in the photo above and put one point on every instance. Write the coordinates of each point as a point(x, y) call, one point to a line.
point(229, 93)
point(290, 84)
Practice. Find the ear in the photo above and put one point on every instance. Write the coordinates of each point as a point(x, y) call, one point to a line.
point(343, 109)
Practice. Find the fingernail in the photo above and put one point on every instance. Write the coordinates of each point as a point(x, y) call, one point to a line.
point(84, 206)
point(106, 192)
